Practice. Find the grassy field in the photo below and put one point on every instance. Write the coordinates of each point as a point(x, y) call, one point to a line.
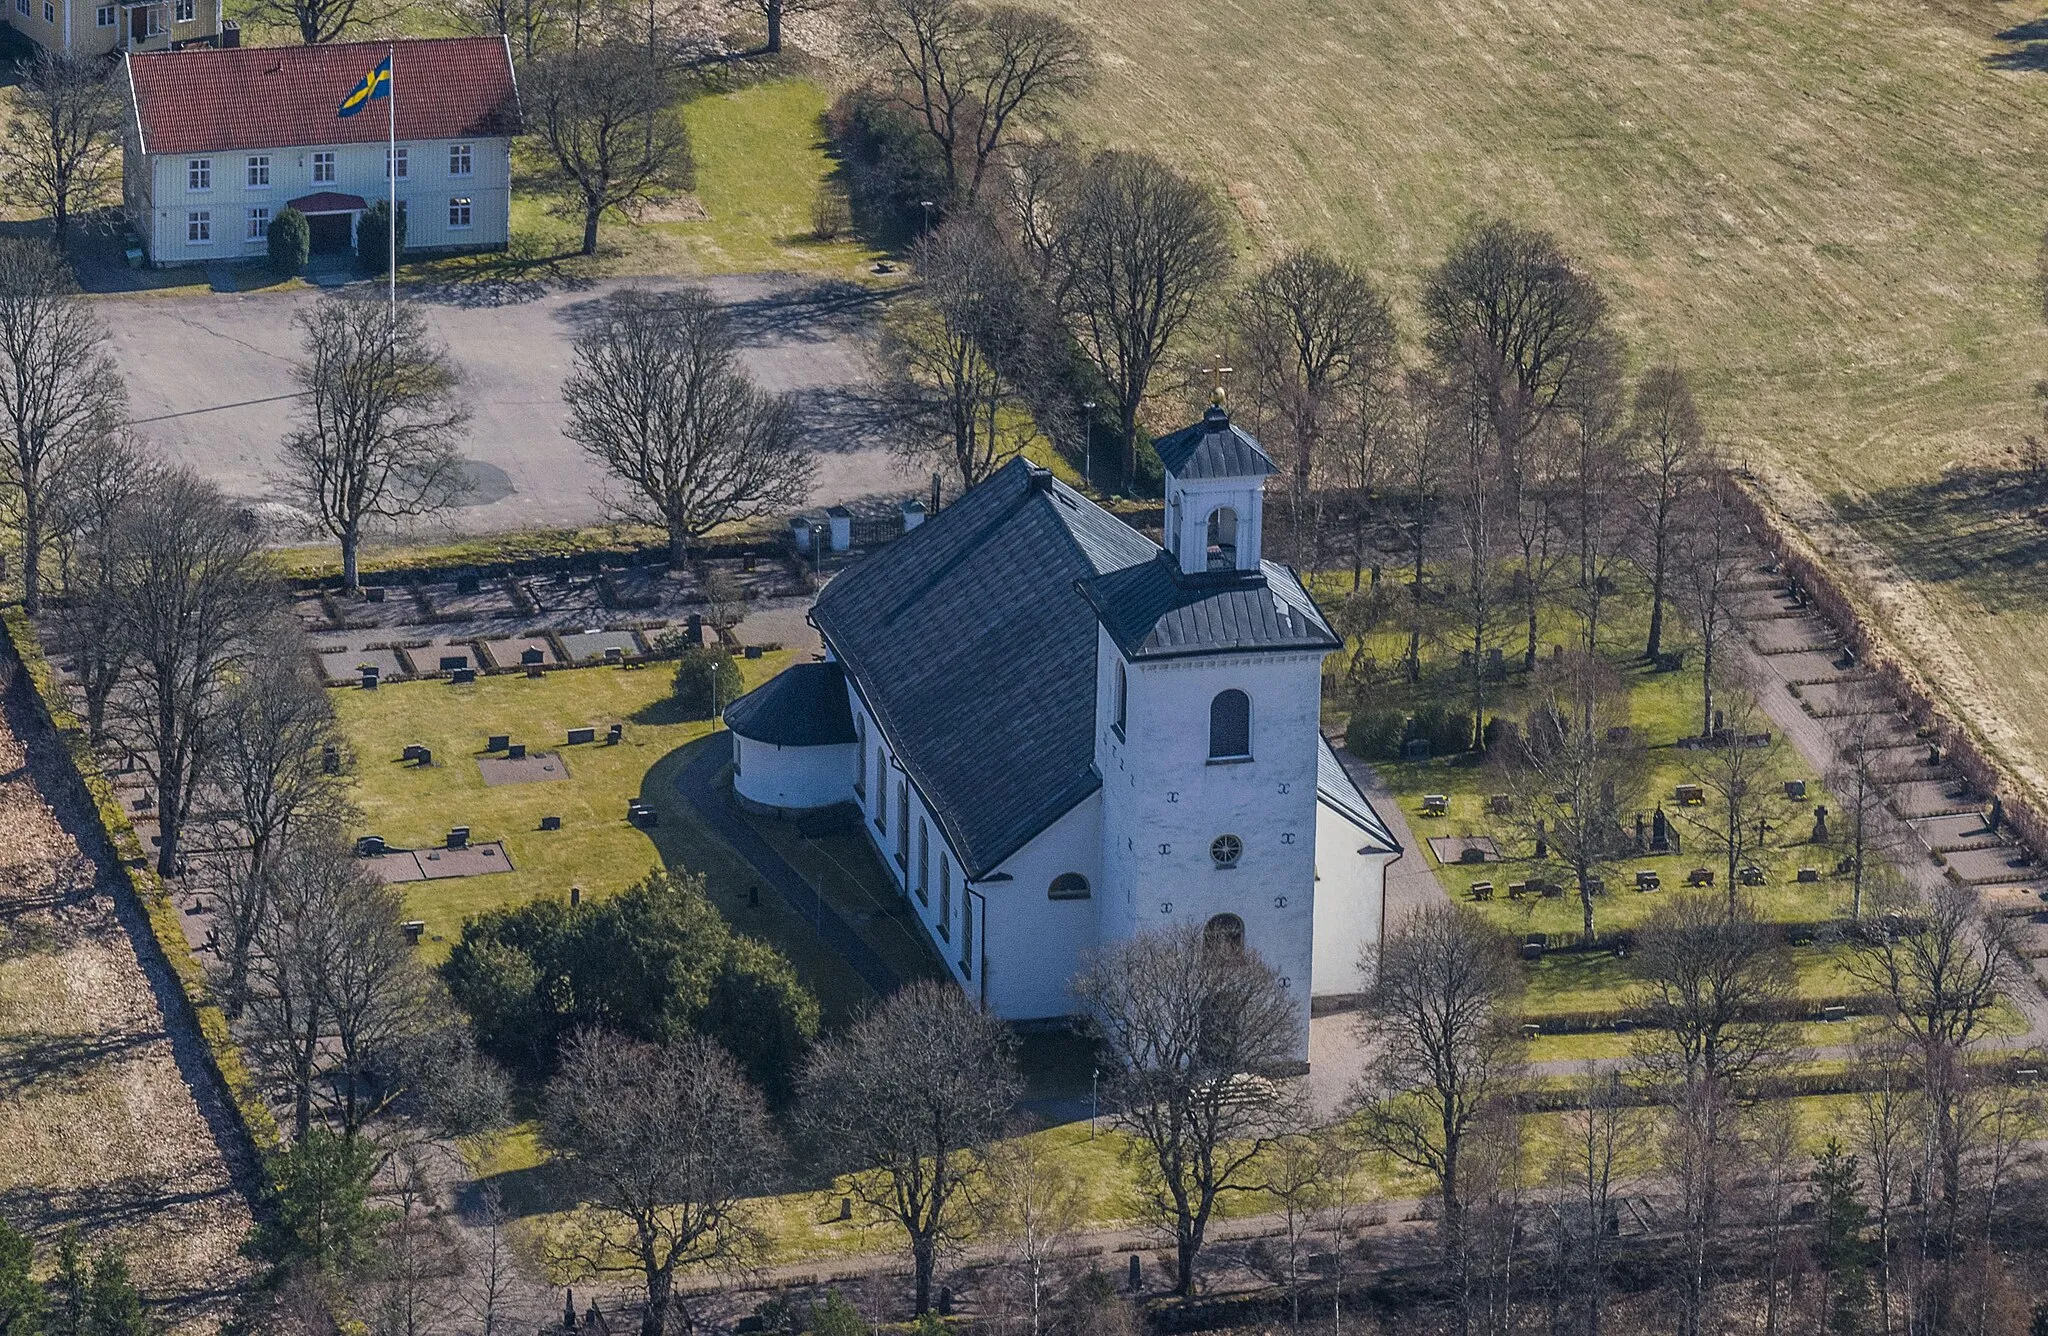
point(596, 848)
point(1829, 210)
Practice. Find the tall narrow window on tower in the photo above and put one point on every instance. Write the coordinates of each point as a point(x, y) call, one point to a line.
point(1230, 726)
point(1223, 539)
point(1120, 688)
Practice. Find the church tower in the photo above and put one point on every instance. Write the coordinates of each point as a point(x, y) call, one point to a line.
point(1209, 672)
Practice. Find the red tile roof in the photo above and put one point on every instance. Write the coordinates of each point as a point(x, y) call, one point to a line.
point(201, 100)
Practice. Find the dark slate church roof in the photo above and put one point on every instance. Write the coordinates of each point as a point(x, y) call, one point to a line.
point(972, 641)
point(1334, 786)
point(1154, 611)
point(802, 706)
point(1215, 447)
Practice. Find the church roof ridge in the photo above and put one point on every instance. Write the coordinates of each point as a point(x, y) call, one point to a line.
point(1214, 447)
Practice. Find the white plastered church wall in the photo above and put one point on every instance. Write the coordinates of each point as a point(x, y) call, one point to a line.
point(793, 778)
point(1165, 802)
point(1036, 945)
point(1350, 903)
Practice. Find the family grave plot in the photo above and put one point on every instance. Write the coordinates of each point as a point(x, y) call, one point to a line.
point(519, 651)
point(595, 646)
point(345, 666)
point(525, 768)
point(475, 860)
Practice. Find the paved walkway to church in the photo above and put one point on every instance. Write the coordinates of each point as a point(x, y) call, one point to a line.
point(699, 784)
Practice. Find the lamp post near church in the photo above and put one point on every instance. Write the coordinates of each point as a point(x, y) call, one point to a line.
point(1088, 451)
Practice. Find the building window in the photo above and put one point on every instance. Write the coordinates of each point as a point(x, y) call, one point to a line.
point(966, 925)
point(860, 753)
point(881, 792)
point(903, 826)
point(946, 908)
point(259, 224)
point(1226, 850)
point(458, 211)
point(323, 167)
point(1230, 726)
point(458, 160)
point(182, 11)
point(199, 227)
point(403, 156)
point(1223, 539)
point(924, 861)
point(1225, 933)
point(1120, 690)
point(49, 12)
point(104, 16)
point(21, 7)
point(199, 173)
point(156, 21)
point(1068, 886)
point(259, 172)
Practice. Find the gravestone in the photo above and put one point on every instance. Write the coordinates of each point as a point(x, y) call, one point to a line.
point(575, 896)
point(1807, 874)
point(753, 651)
point(693, 630)
point(1642, 833)
point(1501, 804)
point(412, 929)
point(425, 758)
point(614, 735)
point(468, 583)
point(535, 671)
point(411, 753)
point(1542, 843)
point(551, 823)
point(1795, 789)
point(1660, 832)
point(515, 751)
point(1933, 754)
point(370, 846)
point(1496, 666)
point(613, 654)
point(1997, 817)
point(1414, 749)
point(375, 593)
point(579, 736)
point(450, 662)
point(530, 657)
point(458, 837)
point(330, 759)
point(369, 677)
point(463, 676)
point(498, 742)
point(1720, 722)
point(1820, 825)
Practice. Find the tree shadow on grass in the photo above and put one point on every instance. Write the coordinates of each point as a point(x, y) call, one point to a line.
point(1984, 530)
point(2029, 49)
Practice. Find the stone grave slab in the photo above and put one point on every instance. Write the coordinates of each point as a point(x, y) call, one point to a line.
point(441, 657)
point(477, 860)
point(1931, 797)
point(402, 865)
point(488, 602)
point(1960, 829)
point(1450, 849)
point(533, 768)
point(1987, 867)
point(1784, 635)
point(1831, 700)
point(584, 646)
point(2013, 898)
point(509, 652)
point(346, 666)
point(1807, 666)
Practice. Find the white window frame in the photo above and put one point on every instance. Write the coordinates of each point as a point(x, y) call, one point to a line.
point(49, 11)
point(404, 164)
point(461, 160)
point(199, 227)
point(156, 26)
point(103, 16)
point(460, 207)
point(327, 162)
point(198, 175)
point(21, 7)
point(259, 223)
point(257, 171)
point(183, 11)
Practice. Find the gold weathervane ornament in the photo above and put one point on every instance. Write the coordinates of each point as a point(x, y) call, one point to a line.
point(1216, 371)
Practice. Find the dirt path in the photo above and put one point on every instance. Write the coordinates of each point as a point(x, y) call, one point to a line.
point(107, 1121)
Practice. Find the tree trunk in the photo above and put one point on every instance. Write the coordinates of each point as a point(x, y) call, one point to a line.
point(590, 217)
point(1184, 1251)
point(60, 220)
point(660, 1295)
point(31, 552)
point(774, 27)
point(923, 1261)
point(169, 826)
point(351, 545)
point(679, 547)
point(1127, 437)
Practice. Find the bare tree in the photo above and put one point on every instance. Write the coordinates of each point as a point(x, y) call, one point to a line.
point(1316, 333)
point(1576, 762)
point(1364, 448)
point(415, 1267)
point(1442, 1013)
point(1738, 765)
point(1039, 193)
point(1673, 441)
point(1300, 1177)
point(61, 398)
point(772, 13)
point(957, 350)
point(658, 398)
point(1598, 1147)
point(1138, 251)
point(194, 591)
point(286, 1019)
point(377, 421)
point(1859, 781)
point(1887, 1117)
point(1193, 1033)
point(1482, 521)
point(1713, 552)
point(605, 110)
point(971, 74)
point(526, 24)
point(62, 152)
point(493, 1298)
point(664, 1146)
point(1420, 466)
point(320, 21)
point(911, 1098)
point(270, 765)
point(94, 498)
point(378, 997)
point(1035, 1200)
point(1597, 477)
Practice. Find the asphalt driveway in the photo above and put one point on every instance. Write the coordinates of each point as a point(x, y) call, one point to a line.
point(209, 380)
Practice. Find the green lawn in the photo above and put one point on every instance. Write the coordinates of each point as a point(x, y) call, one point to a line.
point(596, 848)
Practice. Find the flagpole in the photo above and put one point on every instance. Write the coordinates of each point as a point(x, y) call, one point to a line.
point(391, 170)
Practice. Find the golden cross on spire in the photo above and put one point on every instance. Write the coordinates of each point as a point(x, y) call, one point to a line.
point(1216, 371)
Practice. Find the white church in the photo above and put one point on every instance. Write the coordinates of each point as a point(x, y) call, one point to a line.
point(1060, 735)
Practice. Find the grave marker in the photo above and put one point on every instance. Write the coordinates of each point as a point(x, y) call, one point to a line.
point(614, 735)
point(463, 676)
point(551, 823)
point(498, 742)
point(450, 662)
point(579, 736)
point(532, 655)
point(515, 751)
point(369, 677)
point(458, 837)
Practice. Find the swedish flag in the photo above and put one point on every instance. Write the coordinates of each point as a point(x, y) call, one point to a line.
point(375, 84)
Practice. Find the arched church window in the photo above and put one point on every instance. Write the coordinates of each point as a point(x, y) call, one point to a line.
point(1230, 726)
point(1223, 539)
point(1068, 886)
point(1224, 933)
point(1225, 850)
point(1121, 688)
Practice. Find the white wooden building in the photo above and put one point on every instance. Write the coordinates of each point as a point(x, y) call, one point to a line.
point(1060, 735)
point(219, 142)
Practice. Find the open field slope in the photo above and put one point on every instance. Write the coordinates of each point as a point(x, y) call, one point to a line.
point(1828, 209)
point(98, 1127)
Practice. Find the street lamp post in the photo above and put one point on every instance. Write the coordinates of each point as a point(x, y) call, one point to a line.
point(927, 206)
point(1088, 451)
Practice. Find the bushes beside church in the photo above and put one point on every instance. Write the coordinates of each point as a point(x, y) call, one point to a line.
point(707, 680)
point(657, 962)
point(1379, 734)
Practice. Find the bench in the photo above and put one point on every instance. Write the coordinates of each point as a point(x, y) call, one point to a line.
point(1483, 890)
